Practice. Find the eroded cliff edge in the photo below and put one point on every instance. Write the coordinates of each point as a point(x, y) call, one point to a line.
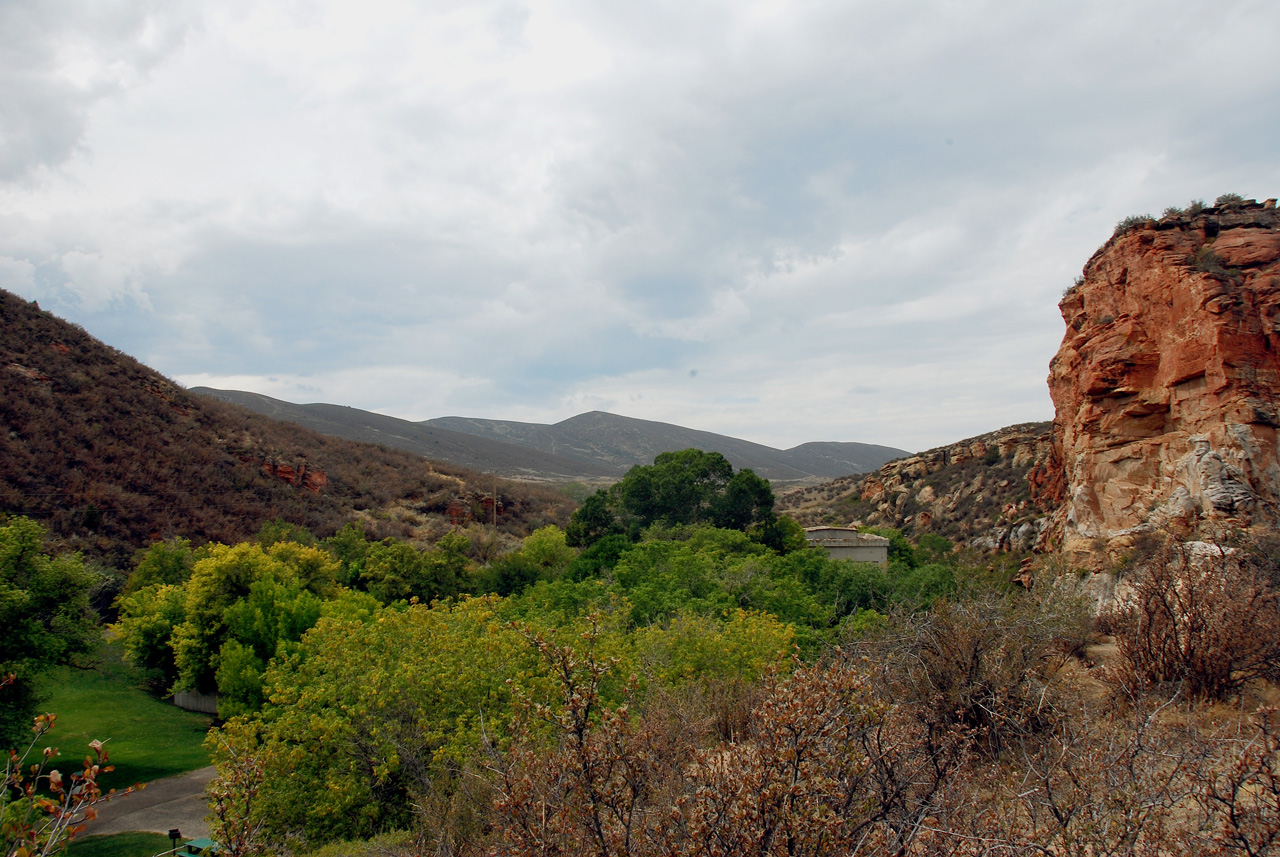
point(1166, 383)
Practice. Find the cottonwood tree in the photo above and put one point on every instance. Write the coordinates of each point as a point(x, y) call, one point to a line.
point(685, 487)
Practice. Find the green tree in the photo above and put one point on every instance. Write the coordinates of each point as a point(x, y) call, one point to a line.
point(277, 531)
point(227, 577)
point(349, 547)
point(685, 487)
point(45, 617)
point(393, 571)
point(166, 562)
point(601, 556)
point(371, 718)
point(900, 550)
point(147, 619)
point(679, 488)
point(747, 500)
point(544, 555)
point(275, 613)
point(592, 521)
point(783, 534)
point(742, 647)
point(549, 549)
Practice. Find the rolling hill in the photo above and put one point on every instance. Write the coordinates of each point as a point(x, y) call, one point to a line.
point(441, 444)
point(110, 455)
point(590, 447)
point(624, 441)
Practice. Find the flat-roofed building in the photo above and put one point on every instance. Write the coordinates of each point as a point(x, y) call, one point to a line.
point(848, 543)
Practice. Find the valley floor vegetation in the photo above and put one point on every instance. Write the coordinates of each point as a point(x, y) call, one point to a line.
point(678, 674)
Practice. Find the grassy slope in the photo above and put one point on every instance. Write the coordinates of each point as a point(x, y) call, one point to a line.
point(120, 845)
point(147, 739)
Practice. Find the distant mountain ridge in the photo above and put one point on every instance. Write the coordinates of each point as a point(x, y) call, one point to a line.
point(440, 444)
point(621, 442)
point(590, 447)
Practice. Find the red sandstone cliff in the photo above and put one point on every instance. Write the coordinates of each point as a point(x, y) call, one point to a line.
point(1167, 380)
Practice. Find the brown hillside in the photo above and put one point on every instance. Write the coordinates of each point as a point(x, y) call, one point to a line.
point(111, 455)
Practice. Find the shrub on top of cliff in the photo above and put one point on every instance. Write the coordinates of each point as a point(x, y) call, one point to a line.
point(1195, 207)
point(1172, 213)
point(1228, 199)
point(1133, 221)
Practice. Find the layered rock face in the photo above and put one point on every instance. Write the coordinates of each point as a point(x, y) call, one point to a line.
point(1167, 382)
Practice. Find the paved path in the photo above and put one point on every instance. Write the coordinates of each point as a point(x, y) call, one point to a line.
point(163, 805)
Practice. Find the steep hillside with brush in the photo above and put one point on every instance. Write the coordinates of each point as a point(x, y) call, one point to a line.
point(111, 455)
point(982, 491)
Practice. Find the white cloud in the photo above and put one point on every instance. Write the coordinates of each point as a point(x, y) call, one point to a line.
point(17, 275)
point(57, 61)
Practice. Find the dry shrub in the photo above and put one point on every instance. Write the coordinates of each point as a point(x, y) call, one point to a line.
point(1099, 785)
point(818, 767)
point(601, 787)
point(1240, 798)
point(983, 664)
point(1197, 614)
point(824, 764)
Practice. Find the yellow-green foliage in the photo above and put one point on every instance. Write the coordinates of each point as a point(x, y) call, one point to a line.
point(368, 717)
point(241, 607)
point(148, 617)
point(743, 646)
point(546, 547)
point(368, 714)
point(397, 842)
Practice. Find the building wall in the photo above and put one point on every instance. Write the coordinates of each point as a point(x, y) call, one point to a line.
point(879, 554)
point(847, 543)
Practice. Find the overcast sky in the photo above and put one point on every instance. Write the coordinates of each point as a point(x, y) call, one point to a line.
point(781, 221)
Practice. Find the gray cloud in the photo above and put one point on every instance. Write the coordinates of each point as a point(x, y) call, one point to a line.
point(842, 221)
point(57, 61)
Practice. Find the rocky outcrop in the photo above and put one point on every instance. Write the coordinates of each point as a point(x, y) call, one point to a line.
point(299, 475)
point(978, 491)
point(1167, 381)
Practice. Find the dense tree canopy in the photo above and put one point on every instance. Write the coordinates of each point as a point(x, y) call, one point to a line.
point(685, 487)
point(218, 630)
point(45, 619)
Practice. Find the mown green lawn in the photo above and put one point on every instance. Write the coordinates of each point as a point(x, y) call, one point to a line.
point(120, 845)
point(147, 739)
